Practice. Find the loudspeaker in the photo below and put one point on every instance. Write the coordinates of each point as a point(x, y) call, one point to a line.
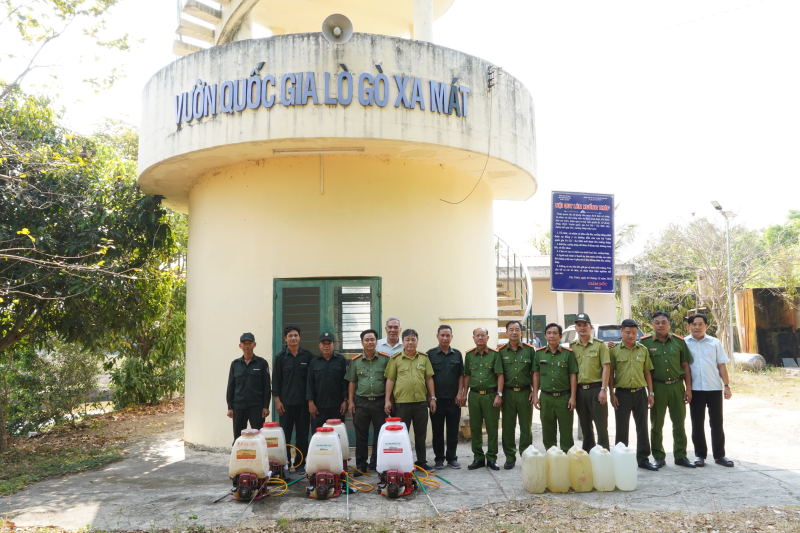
point(337, 29)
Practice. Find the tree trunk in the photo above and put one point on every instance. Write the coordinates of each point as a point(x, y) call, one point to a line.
point(4, 447)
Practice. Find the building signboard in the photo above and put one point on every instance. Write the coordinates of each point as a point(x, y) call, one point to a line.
point(582, 242)
point(300, 88)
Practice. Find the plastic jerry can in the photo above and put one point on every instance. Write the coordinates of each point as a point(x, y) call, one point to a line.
point(394, 450)
point(580, 470)
point(602, 469)
point(534, 470)
point(393, 420)
point(557, 470)
point(275, 440)
point(249, 455)
point(624, 467)
point(340, 430)
point(324, 452)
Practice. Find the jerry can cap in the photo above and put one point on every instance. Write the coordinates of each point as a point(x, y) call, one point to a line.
point(394, 428)
point(271, 424)
point(324, 429)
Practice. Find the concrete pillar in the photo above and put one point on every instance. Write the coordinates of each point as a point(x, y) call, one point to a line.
point(246, 29)
point(625, 296)
point(560, 308)
point(423, 21)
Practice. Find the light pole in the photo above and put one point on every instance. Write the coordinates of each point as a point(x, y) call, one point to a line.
point(728, 216)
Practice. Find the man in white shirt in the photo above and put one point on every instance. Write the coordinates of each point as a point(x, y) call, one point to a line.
point(709, 385)
point(391, 344)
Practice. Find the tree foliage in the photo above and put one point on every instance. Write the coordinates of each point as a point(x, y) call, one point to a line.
point(78, 241)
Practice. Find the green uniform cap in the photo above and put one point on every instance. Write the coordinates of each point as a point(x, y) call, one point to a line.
point(583, 317)
point(326, 336)
point(247, 337)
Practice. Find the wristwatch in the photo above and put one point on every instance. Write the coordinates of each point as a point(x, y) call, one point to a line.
point(500, 394)
point(652, 394)
point(433, 398)
point(604, 389)
point(727, 386)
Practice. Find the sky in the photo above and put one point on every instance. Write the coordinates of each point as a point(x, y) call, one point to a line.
point(666, 105)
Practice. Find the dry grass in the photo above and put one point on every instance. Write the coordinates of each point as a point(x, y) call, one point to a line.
point(540, 515)
point(774, 383)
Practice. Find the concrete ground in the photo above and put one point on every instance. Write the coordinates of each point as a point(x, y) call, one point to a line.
point(165, 484)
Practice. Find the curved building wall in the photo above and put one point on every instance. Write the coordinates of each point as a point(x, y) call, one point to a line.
point(377, 217)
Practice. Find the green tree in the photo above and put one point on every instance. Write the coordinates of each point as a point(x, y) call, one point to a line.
point(78, 241)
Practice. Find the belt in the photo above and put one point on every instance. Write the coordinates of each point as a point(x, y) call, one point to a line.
point(484, 391)
point(557, 394)
point(669, 382)
point(517, 389)
point(585, 386)
point(372, 398)
point(630, 390)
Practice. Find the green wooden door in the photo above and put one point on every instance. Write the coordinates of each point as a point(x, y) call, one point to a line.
point(343, 306)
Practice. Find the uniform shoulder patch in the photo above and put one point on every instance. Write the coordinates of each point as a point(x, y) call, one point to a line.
point(423, 354)
point(529, 345)
point(355, 357)
point(540, 349)
point(397, 354)
point(472, 350)
point(676, 335)
point(645, 337)
point(384, 353)
point(567, 348)
point(491, 349)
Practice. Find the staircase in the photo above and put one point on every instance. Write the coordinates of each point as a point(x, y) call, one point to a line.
point(514, 290)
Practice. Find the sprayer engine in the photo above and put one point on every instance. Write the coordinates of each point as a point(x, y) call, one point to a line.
point(394, 483)
point(248, 486)
point(324, 485)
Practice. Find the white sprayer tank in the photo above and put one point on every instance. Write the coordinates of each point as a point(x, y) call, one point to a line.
point(602, 469)
point(394, 450)
point(340, 430)
point(557, 470)
point(534, 470)
point(324, 452)
point(249, 455)
point(391, 421)
point(624, 466)
point(275, 440)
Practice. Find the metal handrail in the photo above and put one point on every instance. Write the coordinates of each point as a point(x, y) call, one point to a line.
point(528, 293)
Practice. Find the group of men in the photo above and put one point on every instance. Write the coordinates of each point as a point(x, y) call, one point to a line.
point(392, 378)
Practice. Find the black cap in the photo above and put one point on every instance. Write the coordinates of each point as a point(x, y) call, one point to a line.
point(583, 317)
point(629, 323)
point(247, 337)
point(326, 336)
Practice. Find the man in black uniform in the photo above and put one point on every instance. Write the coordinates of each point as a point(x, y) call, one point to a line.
point(326, 389)
point(291, 375)
point(449, 383)
point(248, 388)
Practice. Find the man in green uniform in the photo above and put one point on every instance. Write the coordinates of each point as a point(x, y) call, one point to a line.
point(593, 375)
point(448, 380)
point(326, 389)
point(671, 358)
point(555, 373)
point(248, 393)
point(630, 374)
point(409, 376)
point(517, 360)
point(367, 394)
point(484, 368)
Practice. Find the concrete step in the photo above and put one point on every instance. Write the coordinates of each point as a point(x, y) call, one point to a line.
point(195, 31)
point(501, 334)
point(506, 294)
point(509, 311)
point(180, 48)
point(501, 320)
point(505, 301)
point(203, 12)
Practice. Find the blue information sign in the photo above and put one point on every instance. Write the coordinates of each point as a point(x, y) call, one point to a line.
point(582, 242)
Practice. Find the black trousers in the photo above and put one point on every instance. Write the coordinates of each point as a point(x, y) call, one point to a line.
point(415, 413)
point(636, 403)
point(242, 416)
point(711, 399)
point(590, 410)
point(295, 418)
point(368, 412)
point(324, 415)
point(449, 414)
